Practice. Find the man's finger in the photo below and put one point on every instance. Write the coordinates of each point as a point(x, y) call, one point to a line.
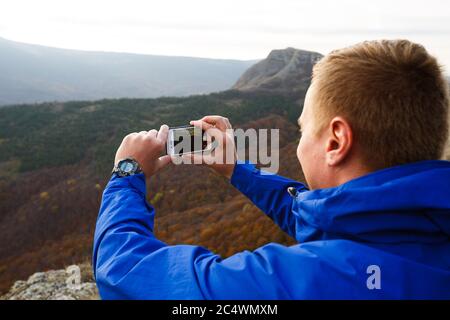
point(211, 118)
point(152, 133)
point(220, 122)
point(162, 133)
point(201, 124)
point(163, 161)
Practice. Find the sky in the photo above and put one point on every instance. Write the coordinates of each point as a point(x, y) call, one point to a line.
point(230, 29)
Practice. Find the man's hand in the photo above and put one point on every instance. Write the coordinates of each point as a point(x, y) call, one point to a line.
point(223, 158)
point(145, 147)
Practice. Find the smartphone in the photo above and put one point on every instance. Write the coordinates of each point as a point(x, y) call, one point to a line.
point(186, 140)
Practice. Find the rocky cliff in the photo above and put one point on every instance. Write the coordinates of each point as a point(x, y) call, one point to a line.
point(285, 71)
point(73, 283)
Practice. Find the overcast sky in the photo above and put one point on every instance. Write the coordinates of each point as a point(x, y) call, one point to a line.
point(239, 29)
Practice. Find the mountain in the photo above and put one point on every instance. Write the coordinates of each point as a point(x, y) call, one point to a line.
point(33, 73)
point(287, 71)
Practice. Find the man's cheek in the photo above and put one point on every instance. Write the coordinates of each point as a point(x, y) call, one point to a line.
point(299, 148)
point(302, 154)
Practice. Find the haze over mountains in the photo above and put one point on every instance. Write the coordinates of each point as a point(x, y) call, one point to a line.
point(33, 73)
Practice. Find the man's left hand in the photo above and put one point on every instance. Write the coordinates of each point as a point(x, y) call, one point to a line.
point(146, 148)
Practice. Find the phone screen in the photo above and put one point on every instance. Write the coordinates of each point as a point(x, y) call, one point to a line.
point(184, 140)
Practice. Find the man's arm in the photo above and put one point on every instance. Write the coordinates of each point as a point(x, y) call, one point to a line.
point(130, 263)
point(268, 192)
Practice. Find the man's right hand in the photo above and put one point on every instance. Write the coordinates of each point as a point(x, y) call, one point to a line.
point(223, 158)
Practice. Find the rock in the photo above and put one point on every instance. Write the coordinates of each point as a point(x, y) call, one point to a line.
point(74, 283)
point(284, 71)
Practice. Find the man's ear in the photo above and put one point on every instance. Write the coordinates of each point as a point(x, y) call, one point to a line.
point(339, 141)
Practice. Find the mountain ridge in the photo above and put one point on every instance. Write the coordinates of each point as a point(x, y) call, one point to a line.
point(34, 73)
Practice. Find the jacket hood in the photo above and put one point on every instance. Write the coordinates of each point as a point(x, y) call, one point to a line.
point(406, 203)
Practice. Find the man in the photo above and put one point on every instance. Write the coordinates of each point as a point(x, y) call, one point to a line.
point(374, 223)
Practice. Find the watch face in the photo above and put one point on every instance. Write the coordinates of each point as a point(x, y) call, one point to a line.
point(126, 166)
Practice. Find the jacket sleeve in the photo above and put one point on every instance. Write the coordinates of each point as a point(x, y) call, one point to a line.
point(130, 263)
point(269, 193)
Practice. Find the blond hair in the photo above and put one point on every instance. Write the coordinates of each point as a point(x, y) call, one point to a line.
point(394, 95)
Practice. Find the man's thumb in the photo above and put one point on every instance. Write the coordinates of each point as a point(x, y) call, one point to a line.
point(163, 161)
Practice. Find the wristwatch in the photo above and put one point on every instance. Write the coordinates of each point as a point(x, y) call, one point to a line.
point(127, 167)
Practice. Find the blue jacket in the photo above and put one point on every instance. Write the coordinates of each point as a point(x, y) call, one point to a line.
point(384, 235)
